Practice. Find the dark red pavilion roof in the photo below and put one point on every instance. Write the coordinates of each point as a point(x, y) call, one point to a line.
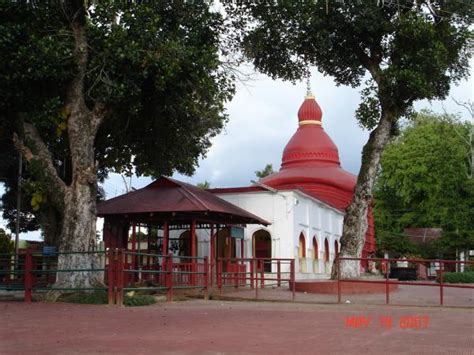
point(169, 196)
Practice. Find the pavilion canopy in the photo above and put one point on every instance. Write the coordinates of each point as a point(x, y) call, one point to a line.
point(167, 199)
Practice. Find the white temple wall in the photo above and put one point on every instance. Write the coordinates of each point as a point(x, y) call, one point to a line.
point(292, 213)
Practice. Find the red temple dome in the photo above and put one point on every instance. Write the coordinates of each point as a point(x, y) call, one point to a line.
point(310, 144)
point(311, 159)
point(309, 112)
point(310, 163)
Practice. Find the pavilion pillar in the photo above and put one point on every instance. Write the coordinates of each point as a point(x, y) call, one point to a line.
point(193, 251)
point(229, 248)
point(164, 252)
point(134, 246)
point(166, 236)
point(193, 239)
point(212, 253)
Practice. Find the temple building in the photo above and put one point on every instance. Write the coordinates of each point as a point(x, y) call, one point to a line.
point(304, 201)
point(295, 213)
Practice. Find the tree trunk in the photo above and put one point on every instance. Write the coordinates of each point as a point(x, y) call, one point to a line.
point(79, 239)
point(355, 220)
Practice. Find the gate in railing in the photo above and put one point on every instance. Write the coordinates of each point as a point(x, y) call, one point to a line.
point(255, 273)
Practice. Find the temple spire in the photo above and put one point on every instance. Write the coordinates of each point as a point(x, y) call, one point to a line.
point(309, 94)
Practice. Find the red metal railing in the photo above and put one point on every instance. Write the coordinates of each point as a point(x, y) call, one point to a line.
point(385, 266)
point(121, 271)
point(255, 273)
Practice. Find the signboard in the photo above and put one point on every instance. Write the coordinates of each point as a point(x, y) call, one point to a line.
point(48, 250)
point(237, 232)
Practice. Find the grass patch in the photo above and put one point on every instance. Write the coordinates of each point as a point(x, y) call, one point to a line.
point(96, 297)
point(99, 297)
point(138, 300)
point(458, 277)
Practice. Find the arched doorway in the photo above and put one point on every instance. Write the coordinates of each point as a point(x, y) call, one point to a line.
point(315, 255)
point(326, 250)
point(302, 253)
point(262, 247)
point(302, 247)
point(184, 245)
point(315, 249)
point(225, 246)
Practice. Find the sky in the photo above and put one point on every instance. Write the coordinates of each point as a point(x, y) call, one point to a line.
point(263, 117)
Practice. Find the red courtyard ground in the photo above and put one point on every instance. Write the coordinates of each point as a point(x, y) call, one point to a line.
point(233, 327)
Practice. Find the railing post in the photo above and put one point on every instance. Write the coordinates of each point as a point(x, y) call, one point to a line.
point(206, 278)
point(441, 300)
point(111, 255)
point(262, 275)
point(278, 273)
point(169, 273)
point(28, 276)
point(256, 277)
point(120, 278)
point(338, 263)
point(219, 275)
point(387, 294)
point(251, 272)
point(211, 271)
point(293, 278)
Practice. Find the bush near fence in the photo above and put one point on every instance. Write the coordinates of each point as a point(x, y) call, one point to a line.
point(458, 277)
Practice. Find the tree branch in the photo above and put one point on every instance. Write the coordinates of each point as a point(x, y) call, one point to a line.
point(40, 153)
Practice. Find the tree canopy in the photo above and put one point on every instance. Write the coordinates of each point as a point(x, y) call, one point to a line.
point(424, 182)
point(267, 170)
point(397, 52)
point(152, 72)
point(6, 243)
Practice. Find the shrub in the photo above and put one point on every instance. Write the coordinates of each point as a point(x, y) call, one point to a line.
point(100, 297)
point(458, 277)
point(97, 297)
point(138, 300)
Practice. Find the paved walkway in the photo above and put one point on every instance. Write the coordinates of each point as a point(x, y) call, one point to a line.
point(197, 327)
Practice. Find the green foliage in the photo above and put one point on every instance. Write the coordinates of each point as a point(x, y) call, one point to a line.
point(267, 170)
point(6, 244)
point(155, 68)
point(423, 182)
point(100, 297)
point(412, 50)
point(204, 185)
point(96, 297)
point(139, 300)
point(458, 277)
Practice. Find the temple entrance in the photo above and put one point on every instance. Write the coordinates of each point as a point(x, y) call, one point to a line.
point(184, 244)
point(262, 247)
point(315, 255)
point(327, 266)
point(225, 245)
point(326, 250)
point(302, 252)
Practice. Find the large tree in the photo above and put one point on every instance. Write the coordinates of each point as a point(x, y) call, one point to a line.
point(424, 182)
point(404, 51)
point(93, 87)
